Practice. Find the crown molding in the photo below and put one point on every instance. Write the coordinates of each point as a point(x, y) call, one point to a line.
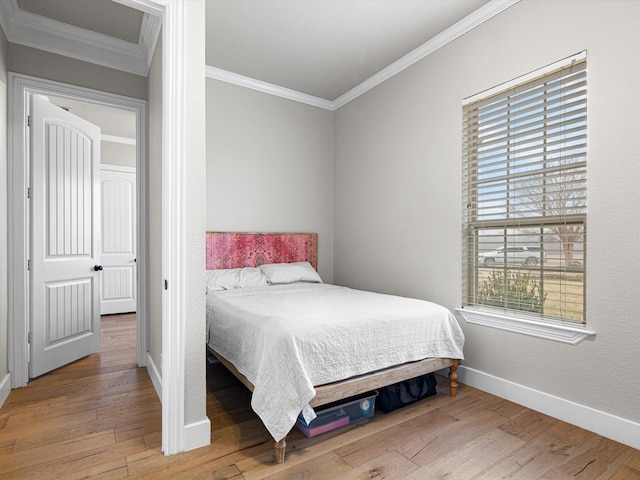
point(44, 33)
point(149, 33)
point(270, 88)
point(484, 13)
point(478, 17)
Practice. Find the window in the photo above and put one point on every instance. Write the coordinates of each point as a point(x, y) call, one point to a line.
point(525, 197)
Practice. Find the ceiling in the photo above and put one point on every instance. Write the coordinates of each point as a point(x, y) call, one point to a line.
point(104, 32)
point(319, 47)
point(102, 16)
point(322, 49)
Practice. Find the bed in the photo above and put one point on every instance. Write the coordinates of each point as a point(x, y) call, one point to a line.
point(298, 343)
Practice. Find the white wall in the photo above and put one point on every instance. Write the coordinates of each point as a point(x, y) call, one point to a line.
point(269, 166)
point(398, 191)
point(195, 394)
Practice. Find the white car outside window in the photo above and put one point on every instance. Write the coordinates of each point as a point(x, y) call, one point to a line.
point(513, 255)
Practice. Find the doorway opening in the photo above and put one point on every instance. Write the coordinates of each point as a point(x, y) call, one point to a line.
point(22, 89)
point(117, 176)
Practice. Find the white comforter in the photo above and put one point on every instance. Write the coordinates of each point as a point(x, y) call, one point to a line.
point(287, 338)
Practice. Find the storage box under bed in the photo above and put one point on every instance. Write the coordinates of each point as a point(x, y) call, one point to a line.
point(338, 414)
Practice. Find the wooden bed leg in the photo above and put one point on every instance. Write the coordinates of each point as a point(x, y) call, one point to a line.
point(280, 448)
point(453, 379)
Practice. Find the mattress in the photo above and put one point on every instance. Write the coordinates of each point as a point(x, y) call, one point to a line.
point(286, 339)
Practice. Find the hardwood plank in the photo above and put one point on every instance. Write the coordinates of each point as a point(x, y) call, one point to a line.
point(209, 472)
point(138, 429)
point(58, 422)
point(408, 438)
point(457, 436)
point(6, 447)
point(107, 460)
point(471, 458)
point(194, 467)
point(469, 406)
point(570, 434)
point(535, 458)
point(54, 454)
point(625, 473)
point(28, 404)
point(528, 425)
point(153, 464)
point(323, 467)
point(505, 407)
point(55, 436)
point(147, 460)
point(597, 459)
point(153, 440)
point(634, 459)
point(50, 414)
point(390, 466)
point(240, 436)
point(127, 413)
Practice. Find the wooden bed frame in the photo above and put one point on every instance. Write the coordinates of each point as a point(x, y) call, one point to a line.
point(253, 249)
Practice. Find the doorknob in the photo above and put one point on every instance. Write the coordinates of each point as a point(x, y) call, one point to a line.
point(97, 268)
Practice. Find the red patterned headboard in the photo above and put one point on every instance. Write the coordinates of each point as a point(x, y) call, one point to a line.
point(234, 250)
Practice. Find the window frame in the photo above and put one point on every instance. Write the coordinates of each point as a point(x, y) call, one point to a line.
point(513, 319)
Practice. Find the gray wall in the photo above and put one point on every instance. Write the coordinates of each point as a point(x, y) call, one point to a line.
point(38, 63)
point(269, 166)
point(398, 191)
point(114, 153)
point(4, 54)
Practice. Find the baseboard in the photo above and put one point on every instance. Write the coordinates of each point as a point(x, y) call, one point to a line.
point(154, 374)
point(5, 388)
point(197, 434)
point(609, 426)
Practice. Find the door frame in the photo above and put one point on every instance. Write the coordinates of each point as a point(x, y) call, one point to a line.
point(21, 87)
point(176, 436)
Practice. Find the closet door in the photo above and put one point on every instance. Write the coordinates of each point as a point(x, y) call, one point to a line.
point(118, 207)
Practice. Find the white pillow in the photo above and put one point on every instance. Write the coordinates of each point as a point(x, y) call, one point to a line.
point(278, 273)
point(226, 279)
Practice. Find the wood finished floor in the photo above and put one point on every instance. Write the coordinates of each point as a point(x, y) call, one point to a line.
point(100, 418)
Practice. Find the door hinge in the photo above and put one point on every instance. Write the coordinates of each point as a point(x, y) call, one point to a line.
point(29, 337)
point(28, 192)
point(166, 285)
point(28, 120)
point(29, 265)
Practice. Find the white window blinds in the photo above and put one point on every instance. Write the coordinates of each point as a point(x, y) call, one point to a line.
point(525, 196)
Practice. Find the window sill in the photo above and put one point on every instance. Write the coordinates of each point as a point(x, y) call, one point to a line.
point(550, 330)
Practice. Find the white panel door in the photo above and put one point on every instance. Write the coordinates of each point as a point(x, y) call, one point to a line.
point(65, 234)
point(118, 206)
